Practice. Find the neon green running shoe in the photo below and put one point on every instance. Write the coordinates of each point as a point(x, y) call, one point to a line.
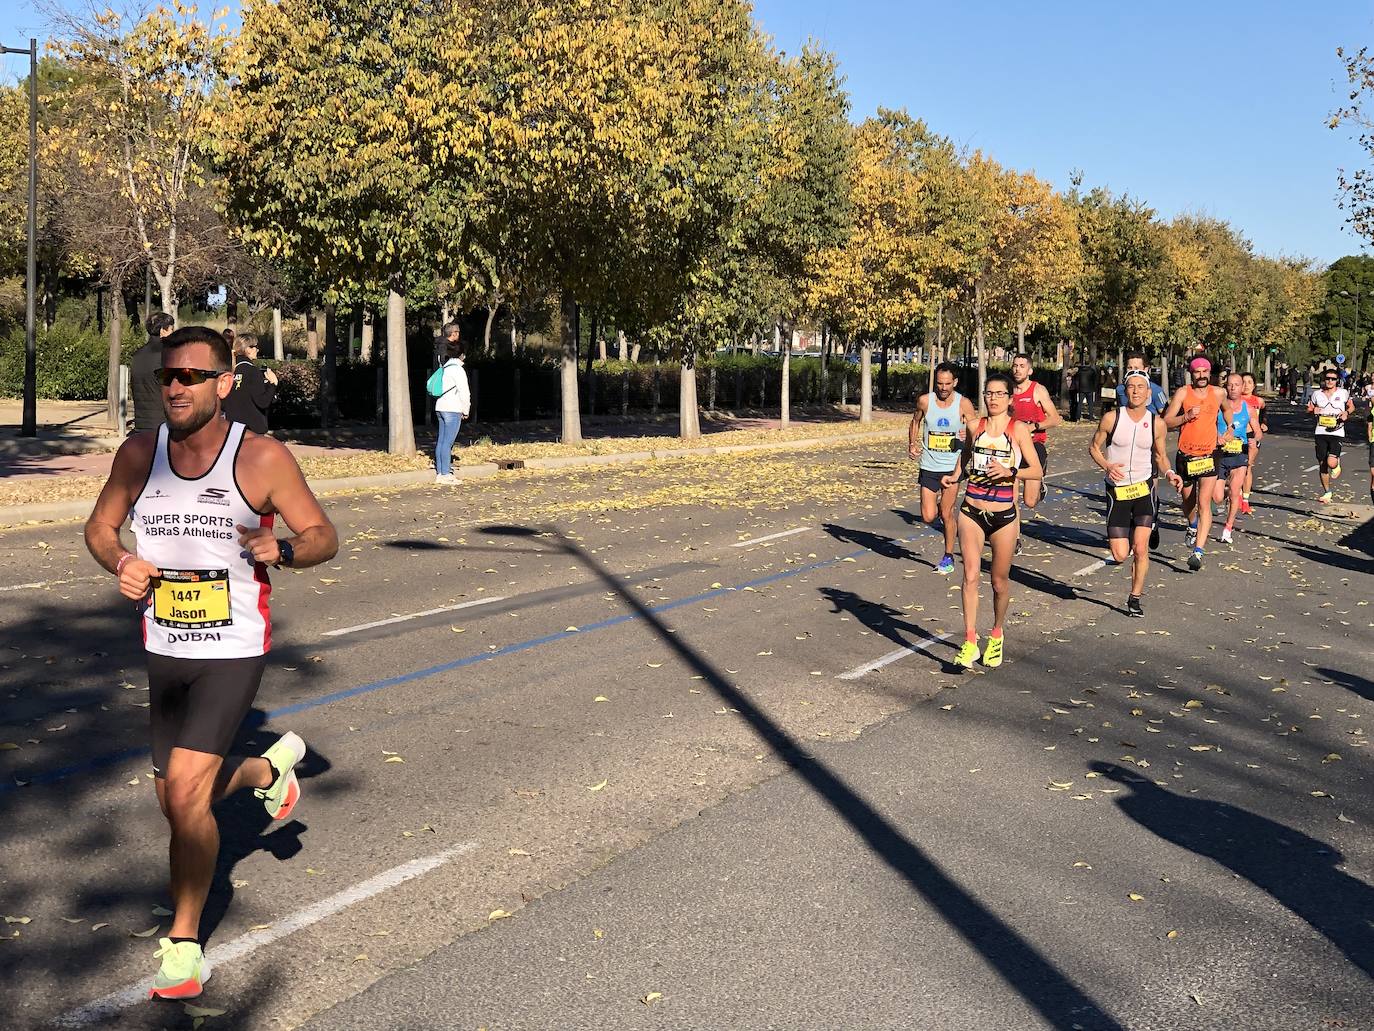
point(183, 973)
point(968, 655)
point(280, 797)
point(992, 654)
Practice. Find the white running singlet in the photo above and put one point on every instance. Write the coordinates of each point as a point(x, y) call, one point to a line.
point(211, 600)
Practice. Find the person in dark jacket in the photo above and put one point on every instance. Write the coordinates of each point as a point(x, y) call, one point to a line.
point(254, 388)
point(143, 384)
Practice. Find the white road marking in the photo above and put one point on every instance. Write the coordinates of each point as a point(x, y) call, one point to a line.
point(1312, 468)
point(1069, 472)
point(37, 584)
point(1100, 563)
point(889, 658)
point(413, 615)
point(771, 537)
point(135, 994)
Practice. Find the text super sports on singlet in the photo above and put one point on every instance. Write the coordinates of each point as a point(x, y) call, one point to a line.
point(193, 524)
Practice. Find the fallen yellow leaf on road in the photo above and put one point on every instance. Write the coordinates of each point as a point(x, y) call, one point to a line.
point(601, 698)
point(597, 787)
point(497, 914)
point(651, 998)
point(1136, 898)
point(145, 934)
point(393, 759)
point(203, 1011)
point(516, 852)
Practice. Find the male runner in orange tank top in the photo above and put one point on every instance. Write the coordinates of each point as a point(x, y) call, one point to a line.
point(1193, 411)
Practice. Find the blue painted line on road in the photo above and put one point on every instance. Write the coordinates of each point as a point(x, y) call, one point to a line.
point(100, 762)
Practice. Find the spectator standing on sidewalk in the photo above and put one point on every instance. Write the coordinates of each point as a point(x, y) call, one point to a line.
point(254, 389)
point(451, 406)
point(143, 384)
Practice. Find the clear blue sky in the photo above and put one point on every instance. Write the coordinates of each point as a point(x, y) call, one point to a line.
point(1216, 106)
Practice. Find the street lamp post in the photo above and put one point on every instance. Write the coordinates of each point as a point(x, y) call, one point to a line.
point(30, 425)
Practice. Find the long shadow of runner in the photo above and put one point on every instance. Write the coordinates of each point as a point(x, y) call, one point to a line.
point(1362, 686)
point(1296, 870)
point(1038, 981)
point(887, 547)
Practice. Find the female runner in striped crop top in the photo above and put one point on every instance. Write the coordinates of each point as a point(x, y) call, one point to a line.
point(997, 451)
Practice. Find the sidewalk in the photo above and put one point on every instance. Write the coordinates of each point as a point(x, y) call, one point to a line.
point(50, 480)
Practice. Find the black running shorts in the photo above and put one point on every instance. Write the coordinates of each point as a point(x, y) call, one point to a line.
point(932, 480)
point(1195, 467)
point(1124, 516)
point(1328, 446)
point(199, 703)
point(991, 522)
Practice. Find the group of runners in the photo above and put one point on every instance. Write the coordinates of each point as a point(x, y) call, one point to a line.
point(203, 496)
point(1221, 426)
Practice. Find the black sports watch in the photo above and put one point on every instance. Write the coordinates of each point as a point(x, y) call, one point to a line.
point(288, 555)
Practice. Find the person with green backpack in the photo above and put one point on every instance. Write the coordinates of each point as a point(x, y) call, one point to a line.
point(448, 385)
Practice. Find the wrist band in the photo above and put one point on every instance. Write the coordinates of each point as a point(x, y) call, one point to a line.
point(119, 566)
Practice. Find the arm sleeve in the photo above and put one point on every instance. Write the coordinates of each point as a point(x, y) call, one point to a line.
point(461, 393)
point(263, 392)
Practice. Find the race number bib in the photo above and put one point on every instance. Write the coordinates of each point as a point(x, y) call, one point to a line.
point(941, 442)
point(1131, 491)
point(1327, 422)
point(1233, 447)
point(986, 461)
point(1200, 466)
point(192, 599)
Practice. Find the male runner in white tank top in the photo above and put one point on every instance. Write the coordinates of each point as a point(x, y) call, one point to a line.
point(202, 495)
point(1129, 448)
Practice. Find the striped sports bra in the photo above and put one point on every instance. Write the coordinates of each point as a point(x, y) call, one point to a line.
point(983, 450)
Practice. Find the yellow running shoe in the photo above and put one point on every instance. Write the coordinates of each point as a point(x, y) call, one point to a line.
point(183, 972)
point(1336, 471)
point(968, 655)
point(992, 654)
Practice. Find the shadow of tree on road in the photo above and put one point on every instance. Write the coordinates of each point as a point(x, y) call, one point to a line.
point(1037, 980)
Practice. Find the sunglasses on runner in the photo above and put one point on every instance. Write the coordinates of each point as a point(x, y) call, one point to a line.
point(188, 377)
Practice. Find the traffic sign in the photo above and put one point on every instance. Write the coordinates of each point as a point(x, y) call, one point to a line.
point(1340, 359)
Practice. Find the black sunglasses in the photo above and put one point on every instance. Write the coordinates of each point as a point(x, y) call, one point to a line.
point(188, 377)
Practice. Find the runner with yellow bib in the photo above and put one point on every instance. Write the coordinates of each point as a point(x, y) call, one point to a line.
point(1129, 447)
point(1193, 411)
point(1233, 456)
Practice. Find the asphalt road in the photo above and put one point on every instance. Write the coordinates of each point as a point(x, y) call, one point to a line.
point(649, 769)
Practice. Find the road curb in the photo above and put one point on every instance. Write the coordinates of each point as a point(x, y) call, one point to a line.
point(23, 515)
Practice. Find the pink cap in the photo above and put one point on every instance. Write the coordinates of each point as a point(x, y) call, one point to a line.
point(1199, 363)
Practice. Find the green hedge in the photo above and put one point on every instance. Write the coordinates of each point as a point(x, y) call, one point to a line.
point(71, 362)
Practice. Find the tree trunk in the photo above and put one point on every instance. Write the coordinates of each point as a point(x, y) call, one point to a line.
point(369, 330)
point(600, 348)
point(866, 382)
point(116, 352)
point(1120, 363)
point(278, 351)
point(688, 418)
point(882, 372)
point(1269, 374)
point(982, 342)
point(166, 289)
point(622, 345)
point(400, 427)
point(321, 331)
point(634, 353)
point(486, 334)
point(1164, 368)
point(785, 389)
point(329, 374)
point(571, 417)
point(825, 364)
